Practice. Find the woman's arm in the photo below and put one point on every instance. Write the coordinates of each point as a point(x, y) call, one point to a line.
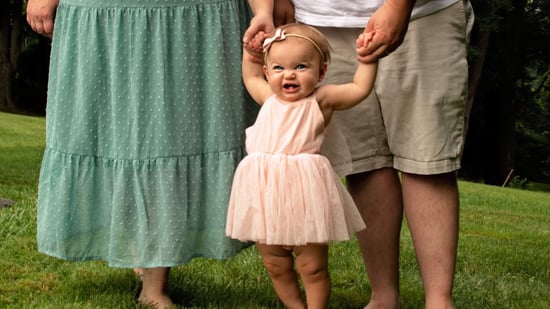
point(261, 22)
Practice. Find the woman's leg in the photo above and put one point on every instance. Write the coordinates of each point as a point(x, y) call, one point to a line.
point(154, 285)
point(312, 265)
point(138, 272)
point(279, 263)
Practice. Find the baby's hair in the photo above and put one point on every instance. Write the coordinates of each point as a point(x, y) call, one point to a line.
point(305, 32)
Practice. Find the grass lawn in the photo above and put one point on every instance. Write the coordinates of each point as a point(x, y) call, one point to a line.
point(503, 255)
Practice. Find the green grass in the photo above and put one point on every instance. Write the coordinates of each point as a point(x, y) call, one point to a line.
point(537, 186)
point(503, 257)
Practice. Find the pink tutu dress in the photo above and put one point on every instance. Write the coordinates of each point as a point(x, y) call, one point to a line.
point(284, 192)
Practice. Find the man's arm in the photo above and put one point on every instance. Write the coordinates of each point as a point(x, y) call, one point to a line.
point(283, 12)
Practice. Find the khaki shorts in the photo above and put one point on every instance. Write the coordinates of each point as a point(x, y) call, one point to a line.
point(414, 121)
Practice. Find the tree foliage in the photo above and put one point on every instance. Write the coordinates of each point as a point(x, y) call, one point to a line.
point(509, 120)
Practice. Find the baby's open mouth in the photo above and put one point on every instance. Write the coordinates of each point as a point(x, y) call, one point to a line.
point(290, 86)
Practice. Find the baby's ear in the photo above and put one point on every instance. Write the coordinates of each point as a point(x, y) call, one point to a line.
point(266, 72)
point(323, 71)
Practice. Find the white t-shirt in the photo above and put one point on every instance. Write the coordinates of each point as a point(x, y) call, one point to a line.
point(353, 13)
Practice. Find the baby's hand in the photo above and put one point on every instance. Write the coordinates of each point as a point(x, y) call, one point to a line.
point(363, 42)
point(256, 43)
point(254, 46)
point(364, 39)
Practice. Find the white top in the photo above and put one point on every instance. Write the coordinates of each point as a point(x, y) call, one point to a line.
point(354, 13)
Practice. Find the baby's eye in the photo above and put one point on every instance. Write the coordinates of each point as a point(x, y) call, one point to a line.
point(278, 68)
point(301, 67)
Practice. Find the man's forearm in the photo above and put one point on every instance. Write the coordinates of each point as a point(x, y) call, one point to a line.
point(403, 6)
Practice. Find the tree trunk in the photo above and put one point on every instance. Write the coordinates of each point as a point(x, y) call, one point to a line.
point(475, 70)
point(6, 70)
point(472, 159)
point(501, 107)
point(11, 43)
point(17, 30)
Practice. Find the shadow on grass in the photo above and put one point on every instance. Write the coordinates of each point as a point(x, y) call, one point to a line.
point(188, 290)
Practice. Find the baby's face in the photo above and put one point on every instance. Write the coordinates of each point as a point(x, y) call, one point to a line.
point(293, 69)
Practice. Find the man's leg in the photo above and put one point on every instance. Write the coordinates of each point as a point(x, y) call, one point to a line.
point(431, 209)
point(378, 197)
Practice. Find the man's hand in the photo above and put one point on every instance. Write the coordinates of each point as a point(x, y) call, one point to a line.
point(389, 23)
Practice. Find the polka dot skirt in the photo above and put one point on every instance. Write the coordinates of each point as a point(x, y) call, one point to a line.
point(145, 126)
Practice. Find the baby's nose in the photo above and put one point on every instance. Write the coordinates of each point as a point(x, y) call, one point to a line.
point(290, 73)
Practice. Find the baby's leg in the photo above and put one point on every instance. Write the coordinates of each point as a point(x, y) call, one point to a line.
point(279, 263)
point(312, 265)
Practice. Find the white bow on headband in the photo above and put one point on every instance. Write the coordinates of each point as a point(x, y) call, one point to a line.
point(278, 36)
point(281, 35)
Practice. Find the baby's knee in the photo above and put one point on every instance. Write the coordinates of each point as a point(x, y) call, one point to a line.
point(277, 270)
point(312, 270)
point(278, 265)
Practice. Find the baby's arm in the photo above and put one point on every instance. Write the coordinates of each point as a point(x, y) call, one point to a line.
point(254, 79)
point(343, 96)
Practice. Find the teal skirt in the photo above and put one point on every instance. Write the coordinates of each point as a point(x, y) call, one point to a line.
point(145, 127)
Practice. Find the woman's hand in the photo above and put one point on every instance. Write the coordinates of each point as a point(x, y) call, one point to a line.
point(41, 16)
point(254, 37)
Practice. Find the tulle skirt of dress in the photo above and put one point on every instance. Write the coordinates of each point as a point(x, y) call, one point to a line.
point(290, 200)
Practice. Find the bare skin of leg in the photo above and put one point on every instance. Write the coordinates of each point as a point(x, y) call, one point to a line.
point(378, 197)
point(138, 272)
point(154, 285)
point(312, 265)
point(432, 210)
point(279, 262)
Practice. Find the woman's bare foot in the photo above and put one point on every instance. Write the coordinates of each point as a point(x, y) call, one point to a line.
point(139, 273)
point(154, 285)
point(161, 302)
